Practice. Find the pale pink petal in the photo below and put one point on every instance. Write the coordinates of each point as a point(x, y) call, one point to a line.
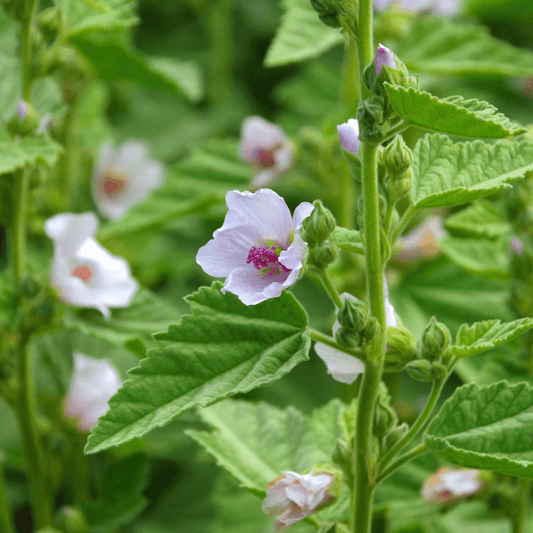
point(349, 135)
point(293, 257)
point(257, 132)
point(381, 5)
point(251, 287)
point(341, 366)
point(265, 178)
point(69, 230)
point(384, 56)
point(300, 214)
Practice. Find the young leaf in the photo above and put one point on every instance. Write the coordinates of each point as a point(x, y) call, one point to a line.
point(300, 36)
point(347, 239)
point(481, 219)
point(224, 348)
point(255, 442)
point(453, 115)
point(483, 336)
point(14, 155)
point(488, 428)
point(479, 256)
point(446, 173)
point(440, 46)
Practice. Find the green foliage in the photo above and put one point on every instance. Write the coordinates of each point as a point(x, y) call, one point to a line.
point(453, 115)
point(446, 173)
point(488, 428)
point(481, 219)
point(483, 336)
point(15, 155)
point(440, 46)
point(224, 348)
point(300, 36)
point(347, 239)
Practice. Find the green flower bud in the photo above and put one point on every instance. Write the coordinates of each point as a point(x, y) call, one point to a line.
point(50, 22)
point(372, 123)
point(394, 436)
point(435, 340)
point(320, 223)
point(71, 520)
point(28, 287)
point(384, 418)
point(423, 370)
point(323, 254)
point(347, 339)
point(335, 13)
point(24, 121)
point(371, 331)
point(353, 315)
point(401, 348)
point(397, 158)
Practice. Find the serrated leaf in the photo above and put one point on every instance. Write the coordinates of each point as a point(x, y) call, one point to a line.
point(14, 155)
point(488, 428)
point(300, 36)
point(453, 115)
point(483, 336)
point(224, 348)
point(483, 257)
point(436, 45)
point(347, 239)
point(481, 219)
point(446, 173)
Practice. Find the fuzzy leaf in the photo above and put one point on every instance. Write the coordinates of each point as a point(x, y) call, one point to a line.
point(224, 348)
point(453, 115)
point(483, 336)
point(439, 46)
point(446, 174)
point(481, 219)
point(300, 36)
point(347, 239)
point(488, 428)
point(14, 155)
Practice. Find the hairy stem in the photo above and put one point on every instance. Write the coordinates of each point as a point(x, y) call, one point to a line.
point(26, 31)
point(407, 216)
point(6, 518)
point(330, 288)
point(519, 523)
point(421, 449)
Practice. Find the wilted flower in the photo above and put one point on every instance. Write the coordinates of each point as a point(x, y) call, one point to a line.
point(93, 383)
point(448, 484)
point(422, 242)
point(84, 272)
point(123, 177)
point(267, 148)
point(384, 56)
point(349, 135)
point(446, 8)
point(258, 249)
point(292, 497)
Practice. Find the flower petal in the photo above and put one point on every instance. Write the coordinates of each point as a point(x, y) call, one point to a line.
point(69, 231)
point(384, 56)
point(342, 367)
point(300, 214)
point(349, 135)
point(264, 178)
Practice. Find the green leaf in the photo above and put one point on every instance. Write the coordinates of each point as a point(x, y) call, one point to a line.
point(436, 45)
point(488, 428)
point(14, 155)
point(300, 36)
point(483, 336)
point(347, 239)
point(453, 115)
point(224, 348)
point(446, 173)
point(481, 219)
point(479, 256)
point(255, 442)
point(112, 62)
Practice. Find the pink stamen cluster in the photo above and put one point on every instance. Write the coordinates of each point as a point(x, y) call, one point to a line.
point(263, 257)
point(265, 158)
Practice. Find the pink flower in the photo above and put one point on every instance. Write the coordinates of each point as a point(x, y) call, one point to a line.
point(258, 249)
point(448, 484)
point(266, 147)
point(384, 57)
point(292, 497)
point(123, 177)
point(349, 135)
point(93, 383)
point(84, 272)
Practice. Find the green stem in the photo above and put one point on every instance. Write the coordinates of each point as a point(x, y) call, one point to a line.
point(6, 518)
point(421, 449)
point(519, 522)
point(329, 341)
point(409, 212)
point(328, 285)
point(350, 88)
point(365, 41)
point(26, 30)
point(420, 422)
point(395, 130)
point(348, 198)
point(80, 469)
point(388, 217)
point(19, 224)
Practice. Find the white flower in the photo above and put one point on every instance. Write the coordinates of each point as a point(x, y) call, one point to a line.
point(422, 242)
point(123, 177)
point(342, 366)
point(446, 8)
point(93, 383)
point(292, 497)
point(258, 249)
point(384, 56)
point(448, 484)
point(84, 272)
point(267, 148)
point(349, 135)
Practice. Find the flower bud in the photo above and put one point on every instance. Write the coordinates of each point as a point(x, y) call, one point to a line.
point(423, 370)
point(401, 348)
point(71, 520)
point(353, 315)
point(397, 158)
point(50, 22)
point(24, 121)
point(394, 436)
point(371, 330)
point(386, 67)
point(384, 418)
point(28, 287)
point(336, 13)
point(323, 254)
point(384, 56)
point(346, 338)
point(349, 135)
point(435, 340)
point(371, 118)
point(320, 223)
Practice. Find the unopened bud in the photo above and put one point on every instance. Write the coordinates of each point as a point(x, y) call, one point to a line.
point(346, 338)
point(423, 370)
point(435, 340)
point(71, 520)
point(395, 436)
point(371, 118)
point(320, 223)
point(28, 287)
point(371, 331)
point(353, 315)
point(384, 56)
point(384, 419)
point(397, 158)
point(50, 21)
point(323, 254)
point(401, 348)
point(349, 135)
point(24, 121)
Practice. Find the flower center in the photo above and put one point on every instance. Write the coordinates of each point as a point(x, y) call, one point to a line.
point(266, 259)
point(83, 272)
point(265, 158)
point(114, 181)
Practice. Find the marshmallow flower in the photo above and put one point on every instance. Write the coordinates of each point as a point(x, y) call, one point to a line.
point(422, 242)
point(123, 177)
point(445, 8)
point(258, 249)
point(342, 366)
point(447, 485)
point(292, 497)
point(84, 272)
point(349, 135)
point(265, 146)
point(384, 56)
point(93, 383)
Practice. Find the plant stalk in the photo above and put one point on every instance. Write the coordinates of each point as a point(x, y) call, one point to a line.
point(410, 211)
point(330, 288)
point(27, 62)
point(421, 449)
point(6, 518)
point(519, 524)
